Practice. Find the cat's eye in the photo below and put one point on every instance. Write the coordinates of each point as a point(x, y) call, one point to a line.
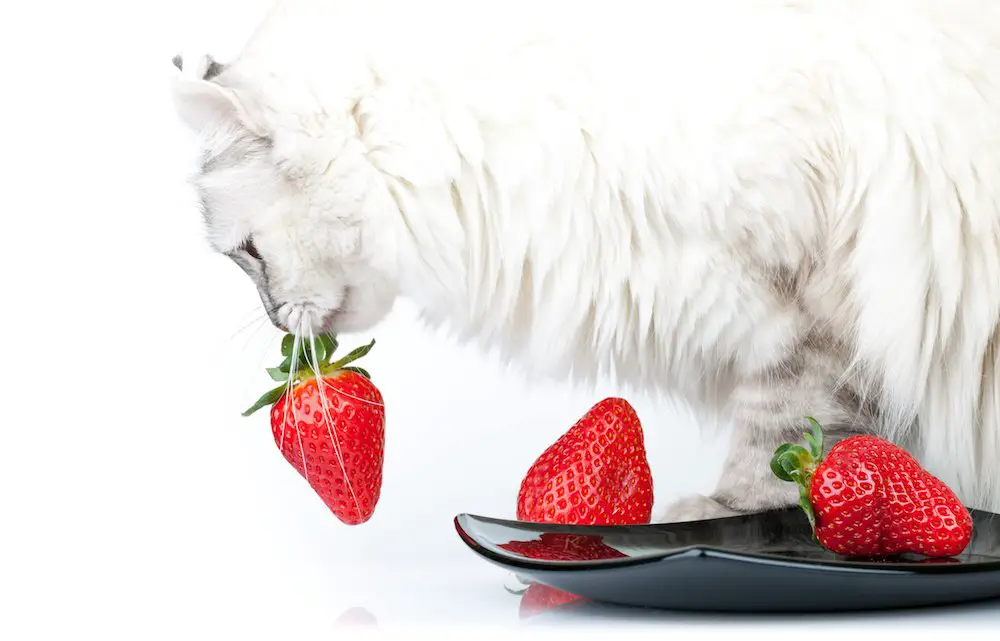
point(251, 249)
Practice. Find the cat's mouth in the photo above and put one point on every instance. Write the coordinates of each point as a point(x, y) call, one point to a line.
point(351, 313)
point(303, 319)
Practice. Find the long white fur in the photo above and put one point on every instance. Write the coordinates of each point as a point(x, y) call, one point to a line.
point(608, 187)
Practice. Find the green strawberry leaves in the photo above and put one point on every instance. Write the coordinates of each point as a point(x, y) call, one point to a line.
point(815, 439)
point(354, 355)
point(287, 343)
point(779, 462)
point(269, 398)
point(796, 464)
point(279, 373)
point(302, 353)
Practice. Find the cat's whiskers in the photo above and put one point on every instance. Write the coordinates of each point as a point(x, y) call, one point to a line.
point(252, 311)
point(261, 324)
point(256, 320)
point(354, 398)
point(267, 350)
point(334, 439)
point(285, 400)
point(296, 344)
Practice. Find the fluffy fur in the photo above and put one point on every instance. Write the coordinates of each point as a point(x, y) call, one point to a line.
point(773, 207)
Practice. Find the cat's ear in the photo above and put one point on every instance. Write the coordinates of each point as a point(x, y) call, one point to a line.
point(203, 103)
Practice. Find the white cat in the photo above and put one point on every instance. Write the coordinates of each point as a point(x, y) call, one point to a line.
point(773, 207)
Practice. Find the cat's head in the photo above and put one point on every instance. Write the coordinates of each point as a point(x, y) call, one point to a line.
point(297, 208)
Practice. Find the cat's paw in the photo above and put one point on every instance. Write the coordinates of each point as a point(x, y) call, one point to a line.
point(693, 508)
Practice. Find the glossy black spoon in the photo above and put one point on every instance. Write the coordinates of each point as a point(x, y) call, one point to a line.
point(756, 563)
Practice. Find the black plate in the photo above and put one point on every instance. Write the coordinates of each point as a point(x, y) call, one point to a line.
point(757, 563)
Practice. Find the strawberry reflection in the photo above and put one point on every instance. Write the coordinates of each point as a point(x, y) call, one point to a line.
point(537, 598)
point(554, 546)
point(356, 616)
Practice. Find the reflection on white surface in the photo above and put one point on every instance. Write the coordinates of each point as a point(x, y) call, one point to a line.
point(356, 616)
point(476, 595)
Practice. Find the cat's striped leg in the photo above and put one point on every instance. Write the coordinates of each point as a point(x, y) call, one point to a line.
point(747, 483)
point(768, 410)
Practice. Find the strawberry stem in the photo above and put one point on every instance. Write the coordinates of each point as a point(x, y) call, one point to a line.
point(322, 349)
point(796, 464)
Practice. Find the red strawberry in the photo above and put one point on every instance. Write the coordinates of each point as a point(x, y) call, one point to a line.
point(553, 546)
point(540, 598)
point(595, 474)
point(870, 498)
point(330, 428)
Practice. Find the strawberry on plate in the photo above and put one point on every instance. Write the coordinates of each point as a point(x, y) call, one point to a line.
point(870, 498)
point(595, 474)
point(328, 421)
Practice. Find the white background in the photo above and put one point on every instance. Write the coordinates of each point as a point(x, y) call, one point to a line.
point(137, 503)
